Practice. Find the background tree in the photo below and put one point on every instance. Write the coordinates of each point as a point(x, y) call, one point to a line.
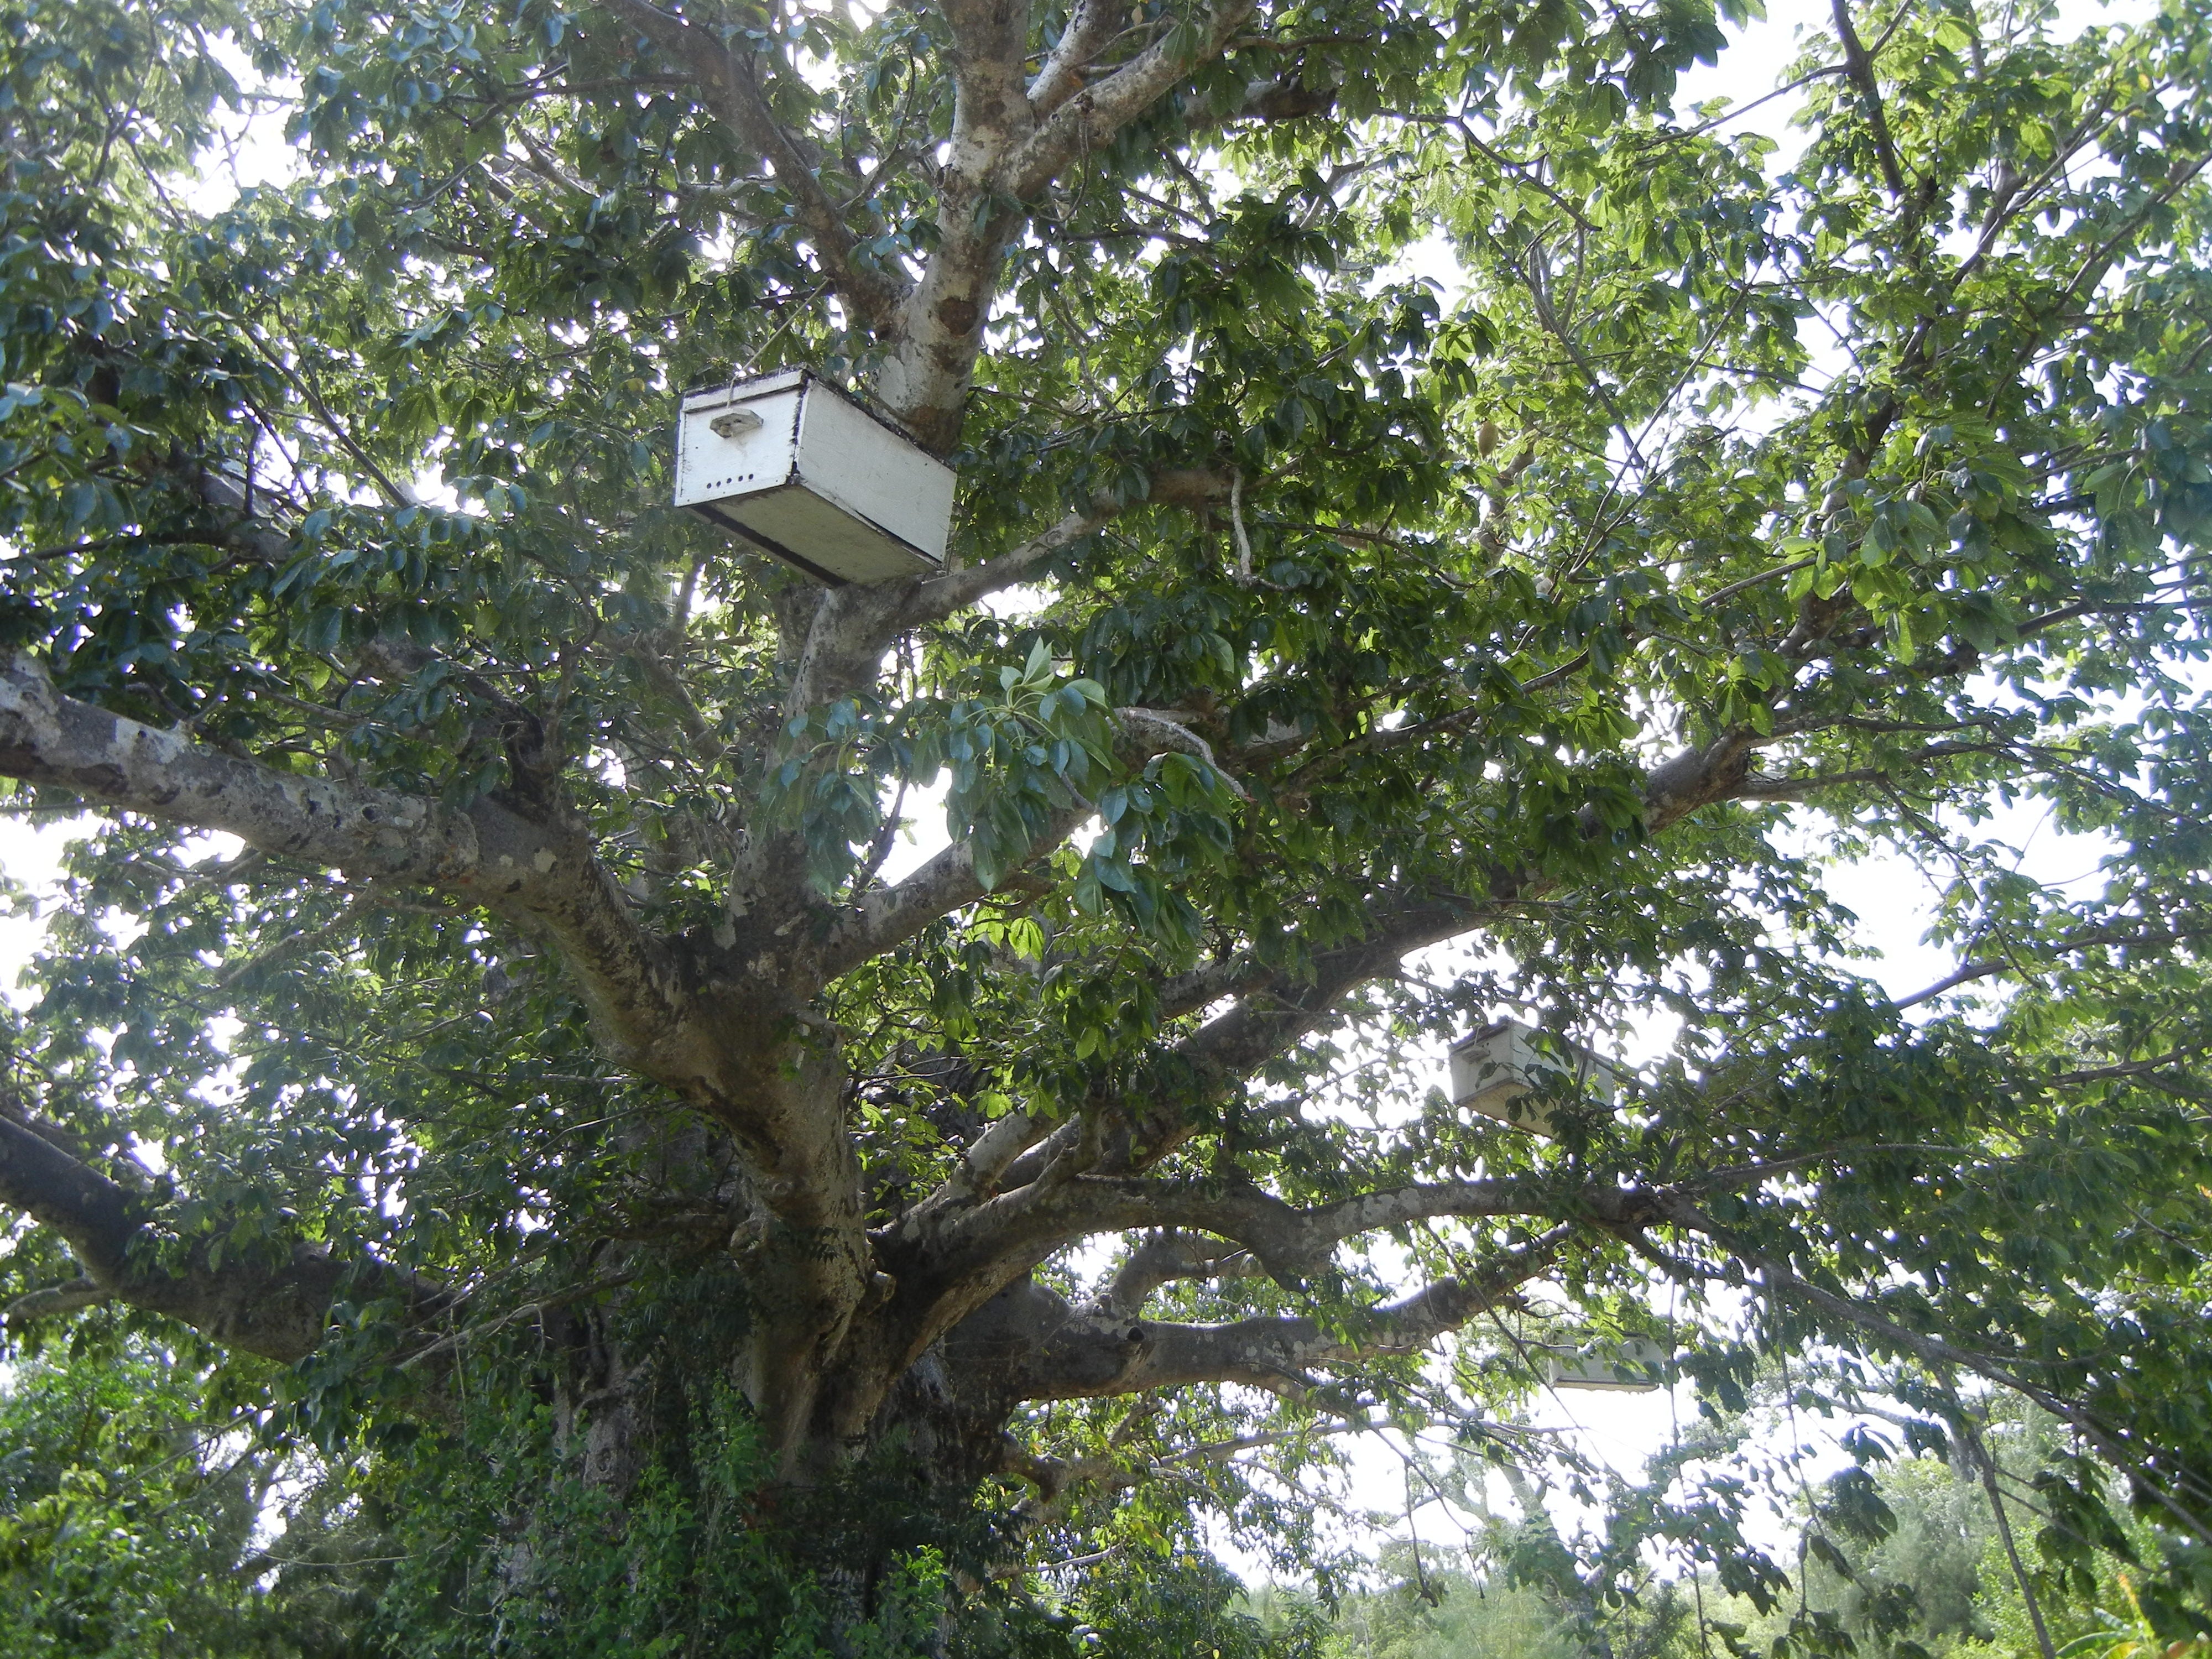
point(1938, 1579)
point(567, 1131)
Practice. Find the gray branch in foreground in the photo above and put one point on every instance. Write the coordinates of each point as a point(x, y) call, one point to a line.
point(1088, 120)
point(956, 1258)
point(50, 739)
point(50, 1300)
point(274, 1305)
point(545, 876)
point(1050, 1351)
point(1160, 1258)
point(854, 626)
point(941, 596)
point(1270, 1015)
point(886, 919)
point(1292, 1243)
point(1090, 29)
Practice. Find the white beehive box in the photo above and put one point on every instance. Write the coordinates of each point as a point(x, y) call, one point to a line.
point(802, 472)
point(1491, 1071)
point(1637, 1365)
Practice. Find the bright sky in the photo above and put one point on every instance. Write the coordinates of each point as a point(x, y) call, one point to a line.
point(1892, 898)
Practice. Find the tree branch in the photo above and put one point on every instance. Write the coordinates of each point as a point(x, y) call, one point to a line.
point(50, 739)
point(1090, 29)
point(853, 626)
point(274, 1307)
point(50, 1301)
point(1292, 1243)
point(952, 1265)
point(729, 83)
point(1001, 157)
point(486, 853)
point(884, 920)
point(941, 596)
point(1084, 1358)
point(1271, 1015)
point(1089, 120)
point(1860, 69)
point(1162, 1257)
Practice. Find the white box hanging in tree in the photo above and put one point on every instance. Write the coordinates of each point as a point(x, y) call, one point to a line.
point(1634, 1366)
point(801, 470)
point(1492, 1072)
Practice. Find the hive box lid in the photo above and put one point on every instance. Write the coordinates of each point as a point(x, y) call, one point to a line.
point(803, 471)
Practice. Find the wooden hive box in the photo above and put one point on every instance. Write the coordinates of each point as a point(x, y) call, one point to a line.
point(802, 472)
point(1635, 1365)
point(1490, 1070)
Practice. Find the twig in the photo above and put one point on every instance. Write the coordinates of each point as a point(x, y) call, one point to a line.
point(1237, 526)
point(1964, 1423)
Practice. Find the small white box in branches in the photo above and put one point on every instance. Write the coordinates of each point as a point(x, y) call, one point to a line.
point(1634, 1366)
point(1493, 1072)
point(803, 473)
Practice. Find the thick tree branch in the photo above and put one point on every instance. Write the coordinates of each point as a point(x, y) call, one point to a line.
point(748, 1054)
point(274, 1306)
point(953, 1264)
point(1293, 1244)
point(941, 596)
point(1859, 68)
point(1000, 156)
point(1090, 28)
point(1089, 120)
point(1158, 1258)
point(987, 1159)
point(1086, 1357)
point(884, 920)
point(990, 40)
point(1271, 1013)
point(544, 876)
point(853, 626)
point(1268, 1017)
point(50, 739)
point(1238, 976)
point(937, 333)
point(50, 1301)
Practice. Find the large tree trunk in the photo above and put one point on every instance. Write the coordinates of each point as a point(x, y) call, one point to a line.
point(838, 1511)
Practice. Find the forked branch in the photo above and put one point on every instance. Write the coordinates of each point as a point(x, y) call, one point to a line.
point(1089, 120)
point(1092, 1357)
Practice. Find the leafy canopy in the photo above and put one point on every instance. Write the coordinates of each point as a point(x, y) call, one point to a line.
point(1330, 657)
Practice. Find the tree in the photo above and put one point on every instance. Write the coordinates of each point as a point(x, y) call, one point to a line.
point(101, 1485)
point(544, 1065)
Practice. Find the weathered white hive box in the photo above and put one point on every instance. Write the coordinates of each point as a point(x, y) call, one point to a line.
point(1491, 1071)
point(801, 470)
point(1637, 1365)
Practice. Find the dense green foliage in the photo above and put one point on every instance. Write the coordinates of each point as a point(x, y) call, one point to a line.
point(521, 1187)
point(128, 1531)
point(1939, 1581)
